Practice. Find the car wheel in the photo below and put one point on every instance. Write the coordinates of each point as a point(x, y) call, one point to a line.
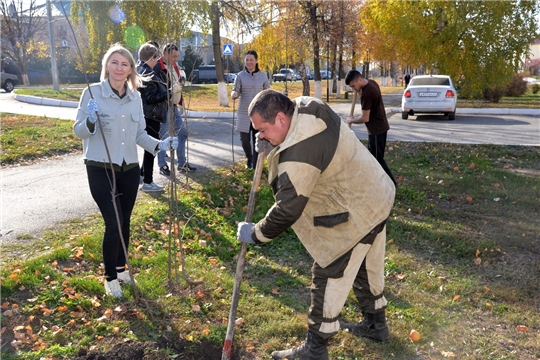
point(8, 86)
point(452, 116)
point(404, 115)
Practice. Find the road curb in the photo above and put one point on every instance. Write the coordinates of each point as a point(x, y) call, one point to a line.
point(486, 111)
point(45, 101)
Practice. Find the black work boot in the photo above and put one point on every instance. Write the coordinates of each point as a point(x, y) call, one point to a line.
point(314, 348)
point(372, 327)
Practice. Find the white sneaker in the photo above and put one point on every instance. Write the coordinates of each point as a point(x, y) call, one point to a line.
point(152, 187)
point(124, 277)
point(113, 288)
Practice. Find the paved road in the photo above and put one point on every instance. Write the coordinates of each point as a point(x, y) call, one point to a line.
point(44, 194)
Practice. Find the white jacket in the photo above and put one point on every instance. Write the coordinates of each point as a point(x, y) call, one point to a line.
point(123, 126)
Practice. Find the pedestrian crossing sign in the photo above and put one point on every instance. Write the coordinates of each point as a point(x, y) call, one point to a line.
point(227, 49)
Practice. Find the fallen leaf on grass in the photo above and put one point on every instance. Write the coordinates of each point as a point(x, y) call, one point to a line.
point(275, 291)
point(456, 298)
point(469, 199)
point(206, 331)
point(522, 328)
point(400, 276)
point(195, 308)
point(477, 261)
point(448, 354)
point(239, 321)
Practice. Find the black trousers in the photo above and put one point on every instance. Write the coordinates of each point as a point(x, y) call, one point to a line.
point(376, 146)
point(248, 144)
point(147, 167)
point(127, 186)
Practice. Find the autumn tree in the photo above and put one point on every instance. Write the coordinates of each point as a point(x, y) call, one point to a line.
point(133, 23)
point(246, 13)
point(478, 43)
point(21, 21)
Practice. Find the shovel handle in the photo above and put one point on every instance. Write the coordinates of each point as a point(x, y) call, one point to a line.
point(352, 106)
point(227, 346)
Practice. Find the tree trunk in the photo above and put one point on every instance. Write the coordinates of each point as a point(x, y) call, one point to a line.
point(223, 97)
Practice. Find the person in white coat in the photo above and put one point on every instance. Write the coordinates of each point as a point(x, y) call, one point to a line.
point(249, 82)
point(110, 121)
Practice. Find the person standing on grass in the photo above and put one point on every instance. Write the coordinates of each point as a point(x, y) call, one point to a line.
point(172, 79)
point(373, 115)
point(249, 82)
point(153, 94)
point(121, 119)
point(337, 198)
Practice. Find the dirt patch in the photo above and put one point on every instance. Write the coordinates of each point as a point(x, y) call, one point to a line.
point(149, 350)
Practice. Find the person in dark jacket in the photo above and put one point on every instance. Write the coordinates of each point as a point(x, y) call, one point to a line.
point(153, 94)
point(169, 73)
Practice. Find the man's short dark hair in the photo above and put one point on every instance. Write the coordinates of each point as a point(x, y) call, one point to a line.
point(268, 103)
point(352, 75)
point(170, 47)
point(147, 52)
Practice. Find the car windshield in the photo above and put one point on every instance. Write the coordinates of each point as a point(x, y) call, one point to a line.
point(431, 81)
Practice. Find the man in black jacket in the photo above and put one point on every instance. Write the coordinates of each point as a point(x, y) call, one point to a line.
point(172, 79)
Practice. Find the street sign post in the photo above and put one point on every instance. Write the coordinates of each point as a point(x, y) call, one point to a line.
point(227, 49)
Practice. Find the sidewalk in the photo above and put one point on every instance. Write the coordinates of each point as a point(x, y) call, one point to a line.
point(339, 108)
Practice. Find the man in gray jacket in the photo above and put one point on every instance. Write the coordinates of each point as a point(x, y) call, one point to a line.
point(337, 198)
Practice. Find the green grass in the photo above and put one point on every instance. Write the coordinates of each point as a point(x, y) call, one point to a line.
point(526, 101)
point(461, 268)
point(25, 138)
point(69, 94)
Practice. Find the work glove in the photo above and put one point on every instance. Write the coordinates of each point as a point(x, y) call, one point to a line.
point(261, 144)
point(177, 93)
point(93, 109)
point(170, 143)
point(234, 95)
point(244, 232)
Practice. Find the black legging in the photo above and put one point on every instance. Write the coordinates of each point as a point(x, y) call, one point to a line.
point(127, 186)
point(248, 144)
point(147, 167)
point(376, 146)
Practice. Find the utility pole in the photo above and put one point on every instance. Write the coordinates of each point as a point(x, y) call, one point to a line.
point(54, 69)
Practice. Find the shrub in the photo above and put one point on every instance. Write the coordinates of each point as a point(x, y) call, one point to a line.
point(516, 87)
point(535, 88)
point(493, 95)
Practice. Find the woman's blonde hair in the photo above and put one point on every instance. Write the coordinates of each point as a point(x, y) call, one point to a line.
point(134, 80)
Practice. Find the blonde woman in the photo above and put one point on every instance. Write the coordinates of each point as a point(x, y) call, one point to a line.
point(118, 104)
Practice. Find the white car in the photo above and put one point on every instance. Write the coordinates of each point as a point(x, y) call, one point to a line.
point(429, 94)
